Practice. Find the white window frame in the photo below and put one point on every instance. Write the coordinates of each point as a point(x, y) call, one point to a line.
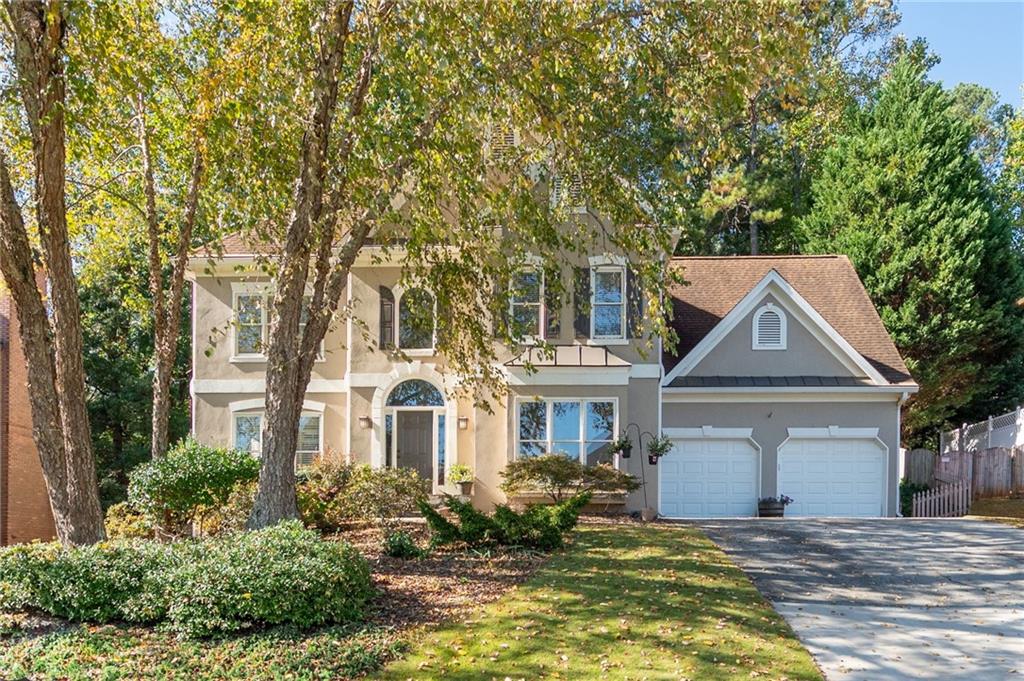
point(532, 264)
point(548, 419)
point(755, 342)
point(608, 264)
point(399, 293)
point(266, 290)
point(261, 415)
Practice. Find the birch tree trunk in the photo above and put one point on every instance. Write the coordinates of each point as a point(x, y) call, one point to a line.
point(53, 344)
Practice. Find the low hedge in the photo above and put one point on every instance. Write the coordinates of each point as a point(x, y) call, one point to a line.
point(282, 574)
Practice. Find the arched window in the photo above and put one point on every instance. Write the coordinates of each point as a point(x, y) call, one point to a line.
point(769, 332)
point(415, 393)
point(416, 320)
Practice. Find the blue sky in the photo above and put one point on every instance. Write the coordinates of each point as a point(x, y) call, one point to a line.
point(979, 41)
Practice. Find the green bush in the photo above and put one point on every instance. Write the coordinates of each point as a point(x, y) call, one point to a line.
point(281, 574)
point(333, 493)
point(560, 477)
point(538, 527)
point(442, 530)
point(124, 522)
point(118, 580)
point(907, 491)
point(400, 544)
point(232, 516)
point(384, 493)
point(191, 480)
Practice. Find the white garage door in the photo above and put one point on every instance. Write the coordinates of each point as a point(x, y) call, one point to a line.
point(833, 477)
point(703, 478)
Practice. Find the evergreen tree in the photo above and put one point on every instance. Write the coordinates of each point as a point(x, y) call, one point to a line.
point(903, 195)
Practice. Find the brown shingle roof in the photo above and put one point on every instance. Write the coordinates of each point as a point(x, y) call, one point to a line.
point(236, 244)
point(828, 282)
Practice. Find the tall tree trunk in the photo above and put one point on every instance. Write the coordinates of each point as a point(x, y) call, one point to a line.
point(751, 168)
point(38, 33)
point(166, 310)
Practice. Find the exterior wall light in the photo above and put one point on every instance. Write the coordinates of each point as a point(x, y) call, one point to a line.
point(365, 423)
point(463, 422)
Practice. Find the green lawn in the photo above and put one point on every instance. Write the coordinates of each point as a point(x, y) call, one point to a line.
point(625, 602)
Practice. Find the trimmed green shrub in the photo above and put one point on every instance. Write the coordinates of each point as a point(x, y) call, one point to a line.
point(109, 581)
point(281, 574)
point(560, 477)
point(442, 530)
point(533, 528)
point(124, 522)
point(566, 514)
point(400, 544)
point(192, 479)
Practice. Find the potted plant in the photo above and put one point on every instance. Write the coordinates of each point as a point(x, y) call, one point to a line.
point(462, 475)
point(773, 507)
point(623, 446)
point(657, 448)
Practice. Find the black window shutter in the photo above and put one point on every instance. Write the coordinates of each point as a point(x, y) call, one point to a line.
point(581, 299)
point(634, 304)
point(387, 318)
point(552, 304)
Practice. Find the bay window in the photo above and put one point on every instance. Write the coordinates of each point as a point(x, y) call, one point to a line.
point(578, 428)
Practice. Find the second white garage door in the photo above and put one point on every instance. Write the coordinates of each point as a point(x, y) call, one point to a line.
point(833, 476)
point(703, 478)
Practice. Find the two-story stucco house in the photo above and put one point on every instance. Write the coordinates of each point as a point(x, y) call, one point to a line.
point(784, 382)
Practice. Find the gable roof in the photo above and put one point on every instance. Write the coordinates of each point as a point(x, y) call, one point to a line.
point(828, 283)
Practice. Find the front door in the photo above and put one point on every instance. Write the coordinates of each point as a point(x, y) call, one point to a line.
point(415, 441)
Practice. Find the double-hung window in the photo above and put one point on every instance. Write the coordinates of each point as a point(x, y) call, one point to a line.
point(252, 303)
point(578, 428)
point(608, 302)
point(248, 436)
point(527, 303)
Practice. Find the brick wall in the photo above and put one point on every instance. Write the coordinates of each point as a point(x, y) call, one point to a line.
point(24, 506)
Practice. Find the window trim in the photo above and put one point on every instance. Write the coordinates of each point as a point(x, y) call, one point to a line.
point(549, 435)
point(266, 290)
point(609, 264)
point(755, 341)
point(399, 293)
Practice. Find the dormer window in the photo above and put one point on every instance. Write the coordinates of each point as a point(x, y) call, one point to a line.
point(769, 332)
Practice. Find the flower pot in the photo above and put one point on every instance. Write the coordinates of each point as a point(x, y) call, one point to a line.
point(652, 459)
point(466, 488)
point(770, 509)
point(626, 451)
point(648, 514)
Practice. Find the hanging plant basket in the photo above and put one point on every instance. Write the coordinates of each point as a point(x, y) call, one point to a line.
point(652, 459)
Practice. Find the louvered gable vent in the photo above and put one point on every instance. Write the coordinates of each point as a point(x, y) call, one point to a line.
point(769, 329)
point(503, 140)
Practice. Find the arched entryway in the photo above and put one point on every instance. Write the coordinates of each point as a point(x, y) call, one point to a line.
point(415, 429)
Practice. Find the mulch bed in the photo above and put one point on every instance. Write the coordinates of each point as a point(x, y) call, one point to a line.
point(444, 585)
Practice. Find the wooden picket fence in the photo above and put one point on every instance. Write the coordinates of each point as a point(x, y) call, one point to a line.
point(945, 501)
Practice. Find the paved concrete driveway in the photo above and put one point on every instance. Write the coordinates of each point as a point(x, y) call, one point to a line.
point(881, 600)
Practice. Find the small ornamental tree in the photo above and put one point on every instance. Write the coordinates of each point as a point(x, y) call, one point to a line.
point(192, 479)
point(559, 477)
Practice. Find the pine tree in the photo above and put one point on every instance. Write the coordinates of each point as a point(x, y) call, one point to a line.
point(902, 194)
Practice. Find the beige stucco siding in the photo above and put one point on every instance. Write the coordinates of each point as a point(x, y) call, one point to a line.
point(804, 354)
point(213, 420)
point(770, 420)
point(213, 342)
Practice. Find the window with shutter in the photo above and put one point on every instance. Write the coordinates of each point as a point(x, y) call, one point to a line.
point(769, 332)
point(387, 318)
